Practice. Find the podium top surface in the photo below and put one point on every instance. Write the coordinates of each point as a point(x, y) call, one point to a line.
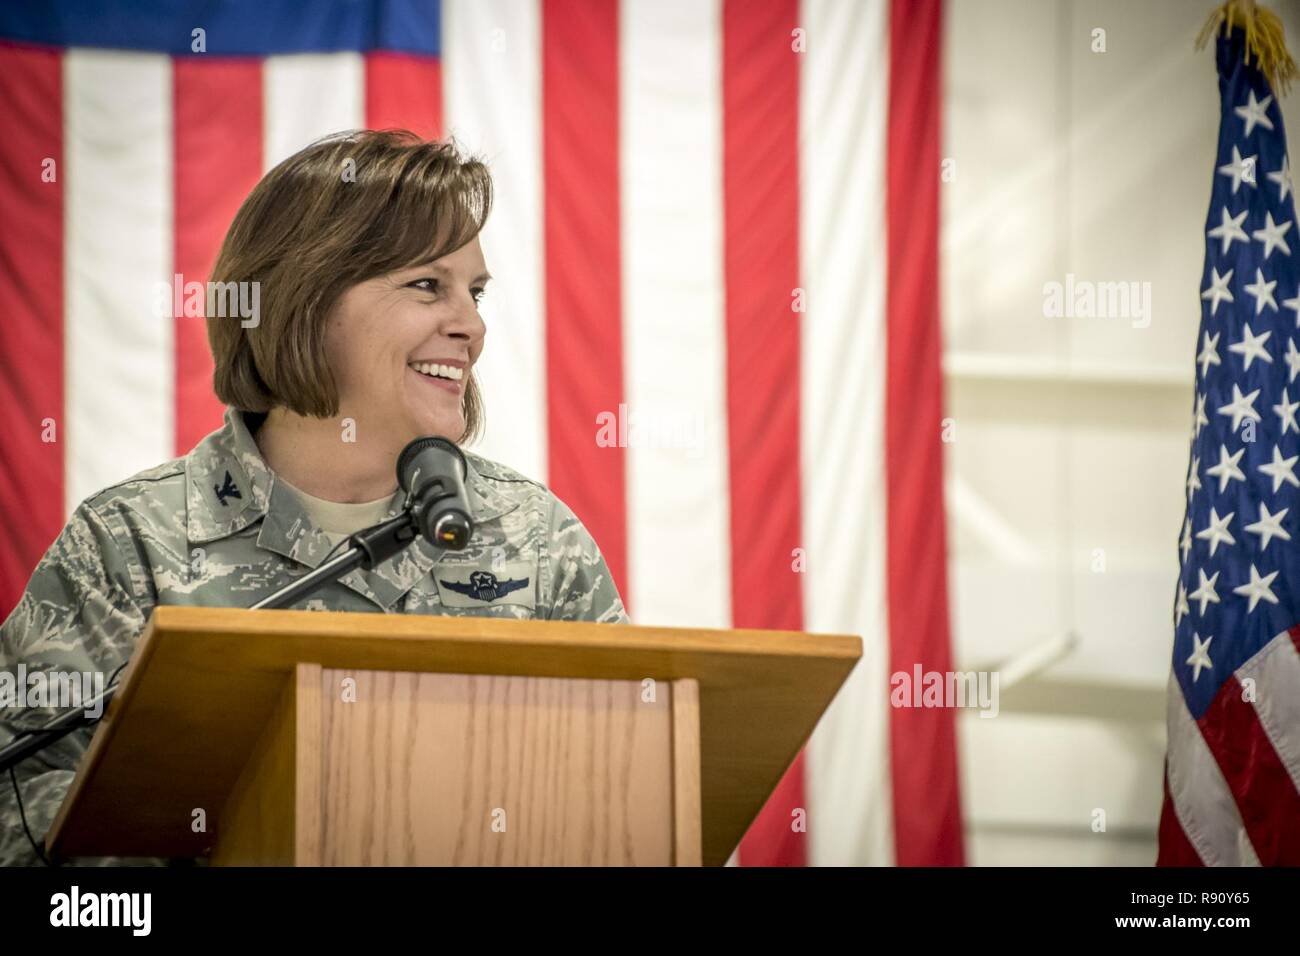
point(204, 681)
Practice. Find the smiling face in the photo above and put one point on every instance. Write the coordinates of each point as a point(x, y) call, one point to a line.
point(402, 346)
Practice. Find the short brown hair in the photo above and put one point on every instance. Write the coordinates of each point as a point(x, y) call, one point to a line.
point(309, 231)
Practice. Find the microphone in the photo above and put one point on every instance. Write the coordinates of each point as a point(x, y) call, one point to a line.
point(432, 473)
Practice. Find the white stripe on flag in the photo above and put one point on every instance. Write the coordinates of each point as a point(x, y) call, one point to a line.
point(118, 244)
point(673, 320)
point(1204, 804)
point(307, 96)
point(492, 94)
point(1276, 673)
point(843, 108)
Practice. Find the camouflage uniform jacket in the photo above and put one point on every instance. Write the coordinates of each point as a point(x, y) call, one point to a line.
point(216, 529)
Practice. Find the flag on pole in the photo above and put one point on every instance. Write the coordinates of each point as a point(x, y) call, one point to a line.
point(1233, 762)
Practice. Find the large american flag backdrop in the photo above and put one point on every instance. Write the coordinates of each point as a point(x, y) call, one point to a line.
point(1233, 763)
point(715, 220)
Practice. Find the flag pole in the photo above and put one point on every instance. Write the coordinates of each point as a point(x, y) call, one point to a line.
point(1265, 39)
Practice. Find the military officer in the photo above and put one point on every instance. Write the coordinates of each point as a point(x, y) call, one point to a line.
point(367, 338)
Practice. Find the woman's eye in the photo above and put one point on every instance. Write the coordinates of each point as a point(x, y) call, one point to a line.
point(431, 285)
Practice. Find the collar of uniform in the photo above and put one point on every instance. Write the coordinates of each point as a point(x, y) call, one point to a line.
point(486, 502)
point(288, 531)
point(230, 486)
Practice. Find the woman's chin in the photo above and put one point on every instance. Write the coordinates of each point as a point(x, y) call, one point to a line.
point(434, 407)
point(450, 426)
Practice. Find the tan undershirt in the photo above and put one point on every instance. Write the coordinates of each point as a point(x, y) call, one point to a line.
point(337, 519)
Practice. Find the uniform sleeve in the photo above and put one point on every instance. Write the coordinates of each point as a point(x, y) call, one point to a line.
point(78, 614)
point(581, 587)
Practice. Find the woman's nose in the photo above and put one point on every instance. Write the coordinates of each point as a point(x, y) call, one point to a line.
point(463, 321)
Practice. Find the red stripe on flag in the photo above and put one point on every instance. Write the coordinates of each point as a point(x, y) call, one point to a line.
point(404, 91)
point(1174, 847)
point(923, 759)
point(218, 159)
point(584, 333)
point(32, 427)
point(760, 96)
point(1265, 794)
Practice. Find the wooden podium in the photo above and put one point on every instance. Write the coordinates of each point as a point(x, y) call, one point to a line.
point(308, 738)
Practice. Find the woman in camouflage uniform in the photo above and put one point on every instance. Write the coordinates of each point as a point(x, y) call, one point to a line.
point(365, 254)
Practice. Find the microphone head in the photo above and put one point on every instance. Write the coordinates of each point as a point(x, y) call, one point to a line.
point(432, 472)
point(408, 469)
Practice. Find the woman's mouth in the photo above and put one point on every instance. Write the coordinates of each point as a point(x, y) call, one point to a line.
point(440, 374)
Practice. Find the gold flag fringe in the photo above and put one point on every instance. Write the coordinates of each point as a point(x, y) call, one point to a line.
point(1265, 39)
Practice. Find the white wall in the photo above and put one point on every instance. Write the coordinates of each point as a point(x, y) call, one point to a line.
point(1072, 434)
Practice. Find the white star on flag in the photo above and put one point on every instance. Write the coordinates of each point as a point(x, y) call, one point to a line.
point(1292, 358)
point(1241, 406)
point(1240, 170)
point(1257, 589)
point(1255, 112)
point(1205, 592)
point(1268, 527)
point(1227, 469)
point(1283, 179)
point(1229, 229)
point(1217, 531)
point(1251, 345)
point(1262, 292)
point(1286, 412)
point(1200, 655)
point(1209, 351)
point(1293, 304)
point(1218, 290)
point(1271, 235)
point(1280, 469)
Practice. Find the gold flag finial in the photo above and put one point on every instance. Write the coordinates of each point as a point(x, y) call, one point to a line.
point(1265, 39)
